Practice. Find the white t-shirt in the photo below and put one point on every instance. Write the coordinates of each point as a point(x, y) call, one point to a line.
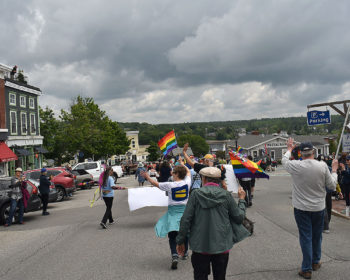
point(177, 191)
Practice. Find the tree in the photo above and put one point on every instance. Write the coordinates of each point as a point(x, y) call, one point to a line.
point(51, 130)
point(153, 151)
point(88, 130)
point(197, 143)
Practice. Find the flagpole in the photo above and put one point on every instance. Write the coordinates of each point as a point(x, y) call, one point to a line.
point(342, 133)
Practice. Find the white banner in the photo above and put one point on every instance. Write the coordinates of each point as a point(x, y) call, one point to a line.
point(231, 180)
point(346, 143)
point(147, 196)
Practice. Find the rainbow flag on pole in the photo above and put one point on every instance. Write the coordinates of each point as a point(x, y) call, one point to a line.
point(245, 168)
point(239, 149)
point(167, 143)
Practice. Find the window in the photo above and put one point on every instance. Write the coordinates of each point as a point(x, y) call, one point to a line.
point(80, 166)
point(255, 154)
point(31, 103)
point(32, 124)
point(24, 123)
point(91, 165)
point(272, 153)
point(13, 120)
point(133, 143)
point(53, 172)
point(13, 99)
point(22, 101)
point(33, 175)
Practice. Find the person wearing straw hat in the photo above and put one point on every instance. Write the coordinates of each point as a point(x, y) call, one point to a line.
point(213, 221)
point(138, 172)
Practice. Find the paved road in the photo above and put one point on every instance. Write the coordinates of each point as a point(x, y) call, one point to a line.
point(69, 244)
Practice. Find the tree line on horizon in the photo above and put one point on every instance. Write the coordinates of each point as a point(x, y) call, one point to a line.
point(228, 130)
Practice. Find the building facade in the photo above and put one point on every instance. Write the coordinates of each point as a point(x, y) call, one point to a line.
point(20, 114)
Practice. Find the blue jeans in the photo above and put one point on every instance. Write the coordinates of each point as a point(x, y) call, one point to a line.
point(310, 225)
point(13, 204)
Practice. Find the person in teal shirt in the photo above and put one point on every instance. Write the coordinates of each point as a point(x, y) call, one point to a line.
point(107, 189)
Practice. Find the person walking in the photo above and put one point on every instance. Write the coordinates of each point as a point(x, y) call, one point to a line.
point(44, 189)
point(178, 195)
point(310, 178)
point(213, 221)
point(17, 183)
point(345, 172)
point(138, 172)
point(107, 188)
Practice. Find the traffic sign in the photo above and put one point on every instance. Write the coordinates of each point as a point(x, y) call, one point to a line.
point(318, 117)
point(346, 143)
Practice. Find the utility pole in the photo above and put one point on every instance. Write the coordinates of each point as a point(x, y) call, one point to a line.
point(345, 114)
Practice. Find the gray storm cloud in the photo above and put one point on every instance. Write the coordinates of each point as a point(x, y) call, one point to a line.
point(169, 61)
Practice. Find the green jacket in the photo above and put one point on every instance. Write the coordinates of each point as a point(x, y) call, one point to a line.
point(213, 221)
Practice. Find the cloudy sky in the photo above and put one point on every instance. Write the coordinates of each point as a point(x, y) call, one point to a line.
point(162, 61)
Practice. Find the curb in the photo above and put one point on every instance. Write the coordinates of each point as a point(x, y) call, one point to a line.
point(336, 213)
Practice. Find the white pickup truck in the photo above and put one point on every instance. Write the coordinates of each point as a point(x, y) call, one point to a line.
point(95, 168)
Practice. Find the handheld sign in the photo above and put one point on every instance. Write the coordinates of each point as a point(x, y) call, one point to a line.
point(346, 143)
point(318, 117)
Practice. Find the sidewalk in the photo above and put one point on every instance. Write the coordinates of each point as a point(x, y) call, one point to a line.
point(338, 208)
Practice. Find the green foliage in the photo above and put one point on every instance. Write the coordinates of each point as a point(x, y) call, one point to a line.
point(197, 143)
point(220, 155)
point(153, 151)
point(84, 128)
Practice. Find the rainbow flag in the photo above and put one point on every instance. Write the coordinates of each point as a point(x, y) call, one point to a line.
point(245, 168)
point(167, 143)
point(239, 149)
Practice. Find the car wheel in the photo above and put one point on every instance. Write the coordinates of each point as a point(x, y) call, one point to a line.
point(5, 213)
point(60, 193)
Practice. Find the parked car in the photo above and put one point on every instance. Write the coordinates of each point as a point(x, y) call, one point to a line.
point(53, 195)
point(94, 168)
point(64, 180)
point(117, 172)
point(84, 179)
point(34, 202)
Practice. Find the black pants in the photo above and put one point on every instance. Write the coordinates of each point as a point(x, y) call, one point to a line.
point(108, 213)
point(172, 243)
point(246, 185)
point(328, 211)
point(201, 266)
point(346, 189)
point(45, 200)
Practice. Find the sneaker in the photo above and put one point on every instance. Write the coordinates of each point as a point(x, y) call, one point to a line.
point(6, 225)
point(305, 274)
point(21, 223)
point(103, 225)
point(316, 266)
point(326, 231)
point(112, 223)
point(174, 262)
point(46, 213)
point(185, 256)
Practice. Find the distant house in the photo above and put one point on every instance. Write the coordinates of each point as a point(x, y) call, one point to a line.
point(275, 145)
point(20, 121)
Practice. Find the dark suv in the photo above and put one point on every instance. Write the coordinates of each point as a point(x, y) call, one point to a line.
point(34, 202)
point(64, 180)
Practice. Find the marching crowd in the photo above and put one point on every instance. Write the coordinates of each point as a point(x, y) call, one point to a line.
point(204, 217)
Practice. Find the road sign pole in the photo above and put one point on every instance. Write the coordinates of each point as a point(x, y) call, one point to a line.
point(342, 133)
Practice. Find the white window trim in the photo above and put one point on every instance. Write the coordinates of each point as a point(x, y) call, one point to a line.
point(24, 132)
point(31, 99)
point(30, 116)
point(25, 101)
point(16, 133)
point(15, 95)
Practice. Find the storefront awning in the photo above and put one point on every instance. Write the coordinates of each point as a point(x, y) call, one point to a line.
point(6, 154)
point(41, 150)
point(23, 152)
